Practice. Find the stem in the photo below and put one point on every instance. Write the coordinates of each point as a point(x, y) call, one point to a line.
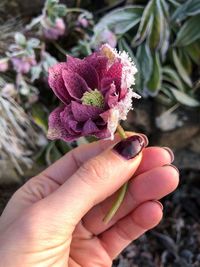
point(117, 203)
point(122, 191)
point(121, 132)
point(59, 48)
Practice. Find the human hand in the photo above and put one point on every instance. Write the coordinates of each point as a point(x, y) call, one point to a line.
point(55, 219)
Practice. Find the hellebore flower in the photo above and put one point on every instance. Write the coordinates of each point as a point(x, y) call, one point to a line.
point(104, 36)
point(53, 32)
point(83, 22)
point(96, 94)
point(3, 65)
point(23, 64)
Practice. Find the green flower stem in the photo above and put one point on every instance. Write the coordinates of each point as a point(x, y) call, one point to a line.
point(122, 191)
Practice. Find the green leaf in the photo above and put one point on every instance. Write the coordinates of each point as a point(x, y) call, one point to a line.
point(35, 72)
point(184, 99)
point(120, 20)
point(20, 39)
point(193, 50)
point(181, 70)
point(52, 153)
point(59, 10)
point(154, 83)
point(124, 46)
point(189, 8)
point(157, 29)
point(40, 115)
point(189, 32)
point(145, 62)
point(145, 24)
point(171, 76)
point(33, 43)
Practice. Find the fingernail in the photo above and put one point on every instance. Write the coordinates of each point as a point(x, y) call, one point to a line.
point(130, 147)
point(159, 203)
point(146, 140)
point(170, 153)
point(171, 165)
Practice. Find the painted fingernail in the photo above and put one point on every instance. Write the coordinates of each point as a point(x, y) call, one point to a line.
point(170, 153)
point(130, 147)
point(159, 203)
point(146, 140)
point(171, 165)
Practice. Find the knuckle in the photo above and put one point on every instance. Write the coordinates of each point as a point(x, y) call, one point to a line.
point(94, 170)
point(123, 232)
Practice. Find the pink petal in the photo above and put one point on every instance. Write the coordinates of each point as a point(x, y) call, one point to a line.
point(84, 112)
point(90, 128)
point(85, 70)
point(56, 128)
point(71, 125)
point(99, 63)
point(115, 72)
point(74, 84)
point(56, 82)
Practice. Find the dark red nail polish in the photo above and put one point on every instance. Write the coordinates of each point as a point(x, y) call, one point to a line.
point(130, 147)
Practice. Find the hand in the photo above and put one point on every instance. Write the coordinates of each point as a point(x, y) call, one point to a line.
point(55, 219)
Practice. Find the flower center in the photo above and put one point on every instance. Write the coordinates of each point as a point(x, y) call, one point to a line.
point(93, 98)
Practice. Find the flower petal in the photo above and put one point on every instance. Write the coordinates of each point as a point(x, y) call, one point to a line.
point(57, 84)
point(56, 128)
point(85, 70)
point(99, 63)
point(73, 127)
point(90, 127)
point(84, 112)
point(74, 84)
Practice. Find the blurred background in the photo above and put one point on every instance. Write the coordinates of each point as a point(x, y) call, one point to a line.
point(163, 39)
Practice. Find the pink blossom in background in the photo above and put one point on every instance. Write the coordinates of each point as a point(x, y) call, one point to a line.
point(23, 64)
point(55, 31)
point(95, 94)
point(83, 22)
point(3, 65)
point(106, 36)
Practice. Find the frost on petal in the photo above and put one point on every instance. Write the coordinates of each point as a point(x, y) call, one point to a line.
point(56, 129)
point(126, 104)
point(128, 70)
point(112, 117)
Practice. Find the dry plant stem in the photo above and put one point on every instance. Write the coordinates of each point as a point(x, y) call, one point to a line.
point(122, 191)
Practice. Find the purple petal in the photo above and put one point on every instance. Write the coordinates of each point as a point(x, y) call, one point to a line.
point(85, 70)
point(74, 84)
point(99, 63)
point(57, 84)
point(56, 128)
point(90, 128)
point(84, 112)
point(73, 127)
point(115, 72)
point(103, 134)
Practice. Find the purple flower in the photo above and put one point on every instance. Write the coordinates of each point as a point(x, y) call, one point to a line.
point(83, 22)
point(23, 64)
point(3, 65)
point(105, 36)
point(95, 93)
point(53, 32)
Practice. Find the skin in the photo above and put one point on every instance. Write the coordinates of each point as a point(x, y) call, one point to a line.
point(55, 219)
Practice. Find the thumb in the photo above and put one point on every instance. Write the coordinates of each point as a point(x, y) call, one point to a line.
point(95, 180)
